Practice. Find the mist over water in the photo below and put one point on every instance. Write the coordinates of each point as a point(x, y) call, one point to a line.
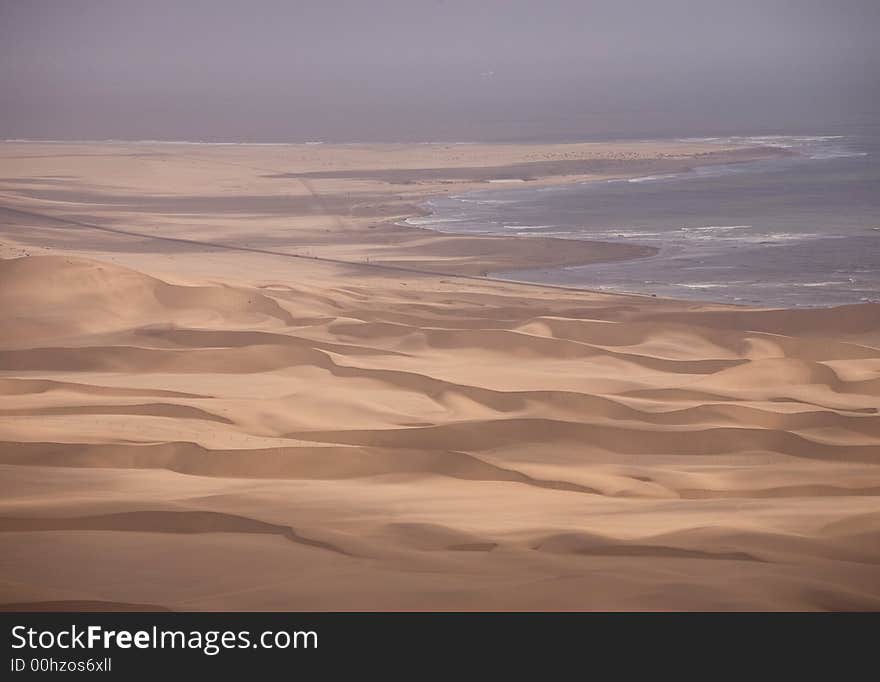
point(800, 231)
point(433, 70)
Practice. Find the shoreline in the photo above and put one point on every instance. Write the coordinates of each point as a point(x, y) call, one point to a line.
point(375, 187)
point(402, 247)
point(426, 251)
point(538, 275)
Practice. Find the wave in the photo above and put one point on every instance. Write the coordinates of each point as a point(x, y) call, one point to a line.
point(786, 237)
point(487, 202)
point(814, 147)
point(837, 155)
point(773, 140)
point(701, 285)
point(763, 238)
point(625, 233)
point(652, 178)
point(823, 284)
point(430, 220)
point(712, 228)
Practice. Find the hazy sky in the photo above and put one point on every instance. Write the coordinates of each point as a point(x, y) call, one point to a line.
point(433, 69)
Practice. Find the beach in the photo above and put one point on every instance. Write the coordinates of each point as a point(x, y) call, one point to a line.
point(233, 378)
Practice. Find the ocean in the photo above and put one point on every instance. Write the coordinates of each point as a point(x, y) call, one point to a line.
point(797, 231)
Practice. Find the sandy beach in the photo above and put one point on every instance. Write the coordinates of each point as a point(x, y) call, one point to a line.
point(230, 379)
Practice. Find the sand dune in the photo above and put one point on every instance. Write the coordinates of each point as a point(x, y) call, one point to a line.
point(185, 426)
point(717, 412)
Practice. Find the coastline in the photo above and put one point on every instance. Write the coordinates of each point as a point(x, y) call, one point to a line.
point(679, 241)
point(377, 232)
point(369, 229)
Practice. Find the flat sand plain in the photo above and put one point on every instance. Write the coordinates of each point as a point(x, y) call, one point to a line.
point(228, 381)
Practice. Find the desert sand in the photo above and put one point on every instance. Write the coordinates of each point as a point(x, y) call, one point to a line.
point(229, 381)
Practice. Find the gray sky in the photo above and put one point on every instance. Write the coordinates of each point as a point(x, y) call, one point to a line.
point(433, 69)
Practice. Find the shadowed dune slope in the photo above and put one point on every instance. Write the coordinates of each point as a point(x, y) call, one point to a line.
point(170, 443)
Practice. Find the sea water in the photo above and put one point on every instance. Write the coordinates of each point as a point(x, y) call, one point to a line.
point(802, 230)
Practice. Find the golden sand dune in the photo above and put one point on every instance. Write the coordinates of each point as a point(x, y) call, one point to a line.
point(225, 385)
point(734, 458)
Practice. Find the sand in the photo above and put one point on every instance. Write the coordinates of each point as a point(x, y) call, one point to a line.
point(228, 381)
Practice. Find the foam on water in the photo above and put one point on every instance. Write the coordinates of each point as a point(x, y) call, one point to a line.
point(431, 221)
point(649, 178)
point(707, 228)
